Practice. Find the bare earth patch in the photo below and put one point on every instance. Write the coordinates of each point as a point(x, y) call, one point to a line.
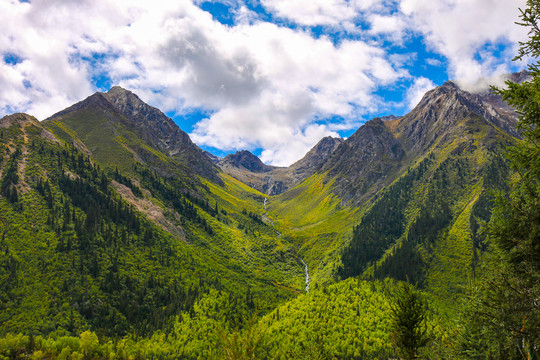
point(154, 212)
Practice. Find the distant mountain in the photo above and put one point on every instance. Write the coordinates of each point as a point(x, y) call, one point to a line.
point(273, 180)
point(315, 157)
point(245, 160)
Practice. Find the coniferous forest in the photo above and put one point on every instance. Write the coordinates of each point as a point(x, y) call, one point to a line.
point(425, 246)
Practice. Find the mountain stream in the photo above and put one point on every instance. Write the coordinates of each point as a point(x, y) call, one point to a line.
point(267, 220)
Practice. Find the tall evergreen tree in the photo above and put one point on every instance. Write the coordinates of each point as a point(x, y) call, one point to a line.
point(408, 321)
point(506, 309)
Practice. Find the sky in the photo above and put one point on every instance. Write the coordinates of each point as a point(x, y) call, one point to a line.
point(269, 76)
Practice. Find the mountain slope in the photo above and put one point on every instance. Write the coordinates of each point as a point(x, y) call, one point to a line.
point(414, 188)
point(94, 241)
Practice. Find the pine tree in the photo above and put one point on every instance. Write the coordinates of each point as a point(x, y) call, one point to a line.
point(506, 309)
point(408, 322)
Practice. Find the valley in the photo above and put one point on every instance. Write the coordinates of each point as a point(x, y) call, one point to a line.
point(116, 226)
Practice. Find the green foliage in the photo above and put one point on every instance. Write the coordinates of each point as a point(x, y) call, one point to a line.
point(408, 322)
point(502, 319)
point(346, 320)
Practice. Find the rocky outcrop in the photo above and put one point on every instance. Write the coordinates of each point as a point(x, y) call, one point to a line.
point(316, 157)
point(363, 162)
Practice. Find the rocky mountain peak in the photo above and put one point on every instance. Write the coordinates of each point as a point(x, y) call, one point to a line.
point(151, 124)
point(17, 118)
point(124, 109)
point(450, 84)
point(132, 106)
point(363, 161)
point(245, 160)
point(316, 157)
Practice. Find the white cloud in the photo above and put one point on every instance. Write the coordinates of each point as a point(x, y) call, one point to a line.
point(308, 77)
point(266, 86)
point(416, 91)
point(312, 12)
point(460, 29)
point(386, 24)
point(433, 62)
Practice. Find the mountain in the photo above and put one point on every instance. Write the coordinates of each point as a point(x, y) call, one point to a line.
point(120, 122)
point(272, 180)
point(101, 229)
point(244, 160)
point(365, 160)
point(403, 197)
point(315, 157)
point(113, 223)
point(380, 150)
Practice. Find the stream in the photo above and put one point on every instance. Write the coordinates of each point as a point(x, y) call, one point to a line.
point(307, 274)
point(267, 219)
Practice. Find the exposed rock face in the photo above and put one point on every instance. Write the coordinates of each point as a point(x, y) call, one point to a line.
point(440, 109)
point(245, 160)
point(215, 159)
point(153, 126)
point(316, 157)
point(363, 160)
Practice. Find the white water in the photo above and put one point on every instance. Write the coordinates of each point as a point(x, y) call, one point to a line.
point(267, 219)
point(307, 274)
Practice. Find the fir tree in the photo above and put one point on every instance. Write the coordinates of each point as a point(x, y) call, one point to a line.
point(408, 322)
point(505, 316)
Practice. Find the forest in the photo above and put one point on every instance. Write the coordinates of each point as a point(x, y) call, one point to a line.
point(129, 261)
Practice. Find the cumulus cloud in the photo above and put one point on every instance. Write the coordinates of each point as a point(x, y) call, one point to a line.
point(417, 90)
point(312, 12)
point(265, 85)
point(310, 77)
point(463, 30)
point(387, 24)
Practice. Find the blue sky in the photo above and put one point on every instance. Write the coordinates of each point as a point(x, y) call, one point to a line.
point(270, 76)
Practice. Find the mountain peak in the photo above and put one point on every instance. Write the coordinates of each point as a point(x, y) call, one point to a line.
point(316, 157)
point(450, 84)
point(245, 160)
point(116, 89)
point(17, 118)
point(125, 109)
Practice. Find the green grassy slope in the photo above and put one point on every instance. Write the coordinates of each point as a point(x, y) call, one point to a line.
point(78, 253)
point(423, 225)
point(312, 218)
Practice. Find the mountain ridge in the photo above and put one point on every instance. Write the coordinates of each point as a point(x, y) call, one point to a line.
point(136, 129)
